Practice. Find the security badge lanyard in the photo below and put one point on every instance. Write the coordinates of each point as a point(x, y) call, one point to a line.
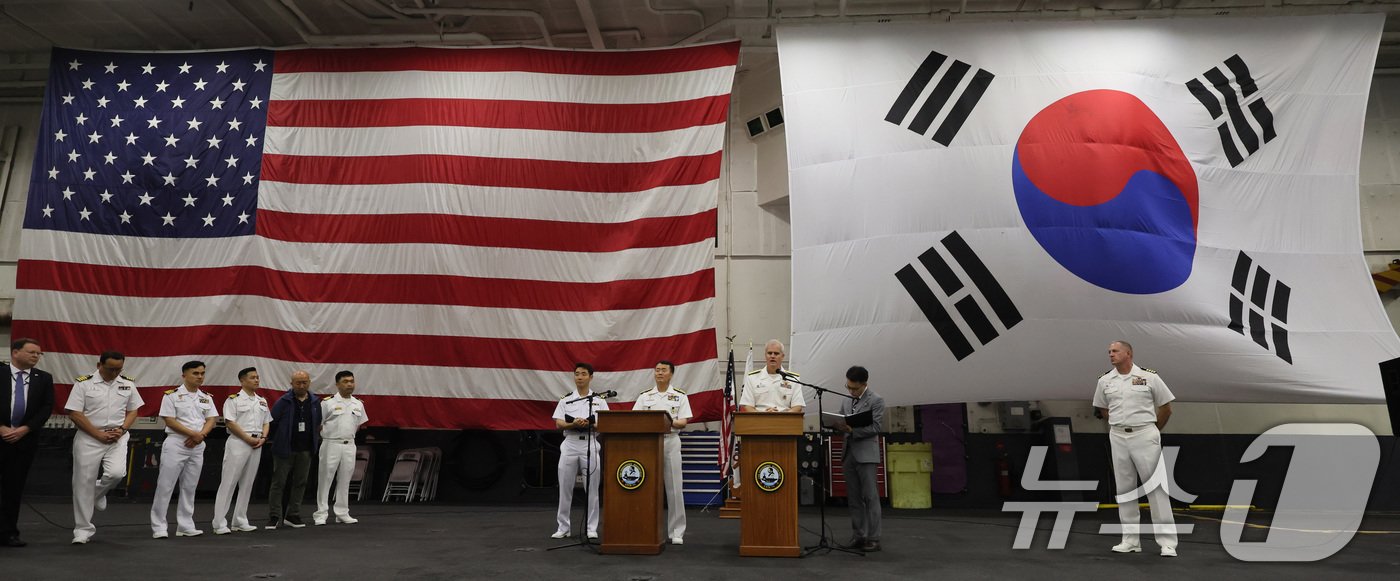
point(301, 423)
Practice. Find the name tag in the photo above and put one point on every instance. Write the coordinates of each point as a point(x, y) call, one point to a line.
point(301, 426)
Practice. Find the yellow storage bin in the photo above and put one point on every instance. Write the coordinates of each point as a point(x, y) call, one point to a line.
point(909, 468)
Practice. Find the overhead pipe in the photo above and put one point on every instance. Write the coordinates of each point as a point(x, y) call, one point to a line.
point(497, 12)
point(313, 39)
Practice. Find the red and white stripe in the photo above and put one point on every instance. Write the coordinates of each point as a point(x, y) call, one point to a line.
point(456, 226)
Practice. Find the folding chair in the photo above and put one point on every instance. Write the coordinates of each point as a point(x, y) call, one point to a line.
point(404, 477)
point(364, 472)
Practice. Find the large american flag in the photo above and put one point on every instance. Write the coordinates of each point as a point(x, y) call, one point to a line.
point(456, 226)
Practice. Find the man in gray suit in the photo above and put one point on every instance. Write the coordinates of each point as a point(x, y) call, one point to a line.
point(861, 457)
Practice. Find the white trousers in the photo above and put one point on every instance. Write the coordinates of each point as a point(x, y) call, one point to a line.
point(337, 463)
point(178, 465)
point(1135, 457)
point(675, 497)
point(240, 468)
point(574, 455)
point(94, 462)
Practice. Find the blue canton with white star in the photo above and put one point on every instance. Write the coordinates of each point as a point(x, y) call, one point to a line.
point(162, 145)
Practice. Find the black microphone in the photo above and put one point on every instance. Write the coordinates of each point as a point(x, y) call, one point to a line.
point(607, 394)
point(785, 374)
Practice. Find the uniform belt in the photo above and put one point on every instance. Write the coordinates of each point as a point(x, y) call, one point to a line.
point(254, 434)
point(339, 441)
point(1131, 429)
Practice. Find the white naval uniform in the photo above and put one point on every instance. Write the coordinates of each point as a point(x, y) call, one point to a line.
point(241, 461)
point(180, 464)
point(674, 402)
point(1132, 401)
point(763, 391)
point(340, 419)
point(105, 403)
point(579, 451)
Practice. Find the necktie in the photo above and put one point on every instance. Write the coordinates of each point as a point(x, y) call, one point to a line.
point(17, 411)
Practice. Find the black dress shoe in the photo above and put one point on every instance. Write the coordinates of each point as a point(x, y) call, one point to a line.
point(855, 543)
point(871, 547)
point(13, 542)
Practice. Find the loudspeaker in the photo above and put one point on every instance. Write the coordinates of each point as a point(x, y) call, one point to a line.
point(1390, 381)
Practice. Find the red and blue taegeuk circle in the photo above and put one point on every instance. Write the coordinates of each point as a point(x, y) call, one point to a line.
point(1104, 188)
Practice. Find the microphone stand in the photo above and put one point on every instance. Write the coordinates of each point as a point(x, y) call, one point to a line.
point(823, 543)
point(588, 469)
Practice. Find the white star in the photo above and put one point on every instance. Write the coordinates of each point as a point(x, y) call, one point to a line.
point(68, 99)
point(199, 85)
point(213, 141)
point(106, 197)
point(127, 177)
point(48, 211)
point(234, 125)
point(191, 162)
point(231, 161)
point(131, 138)
point(243, 218)
point(80, 119)
point(146, 70)
point(117, 121)
point(53, 173)
point(189, 199)
point(217, 103)
point(102, 102)
point(68, 193)
point(126, 218)
point(110, 67)
point(122, 85)
point(258, 66)
point(177, 103)
point(185, 68)
point(194, 124)
point(209, 220)
point(87, 175)
point(140, 102)
point(228, 199)
point(256, 103)
point(168, 220)
point(161, 86)
point(251, 141)
point(169, 178)
point(74, 64)
point(109, 158)
point(94, 137)
point(248, 179)
point(171, 140)
point(87, 85)
point(59, 135)
point(222, 67)
point(146, 198)
point(84, 213)
point(212, 181)
point(238, 84)
point(153, 123)
point(74, 155)
point(148, 159)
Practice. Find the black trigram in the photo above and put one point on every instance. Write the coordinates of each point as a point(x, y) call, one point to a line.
point(1237, 128)
point(963, 298)
point(935, 106)
point(1267, 312)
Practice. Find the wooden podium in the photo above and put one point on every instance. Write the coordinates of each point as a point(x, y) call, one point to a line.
point(633, 481)
point(768, 454)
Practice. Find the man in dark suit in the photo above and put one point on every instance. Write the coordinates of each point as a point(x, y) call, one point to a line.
point(26, 400)
point(860, 460)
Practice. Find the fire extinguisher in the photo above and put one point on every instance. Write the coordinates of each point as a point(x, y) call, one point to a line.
point(1003, 472)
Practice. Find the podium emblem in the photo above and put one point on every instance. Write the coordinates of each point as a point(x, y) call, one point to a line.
point(631, 475)
point(768, 476)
